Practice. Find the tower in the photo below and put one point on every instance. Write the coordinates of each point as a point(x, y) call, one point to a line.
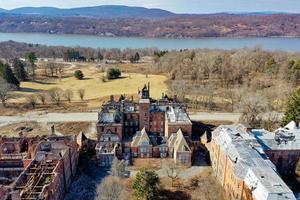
point(145, 93)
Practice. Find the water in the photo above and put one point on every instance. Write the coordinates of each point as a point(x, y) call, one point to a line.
point(286, 44)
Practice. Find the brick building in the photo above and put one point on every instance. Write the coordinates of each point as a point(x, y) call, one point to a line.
point(243, 168)
point(282, 147)
point(37, 168)
point(130, 120)
point(179, 149)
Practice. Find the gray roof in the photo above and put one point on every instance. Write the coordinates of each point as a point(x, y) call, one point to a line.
point(286, 138)
point(246, 154)
point(177, 115)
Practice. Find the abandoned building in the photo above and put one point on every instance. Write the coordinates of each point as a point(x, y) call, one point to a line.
point(37, 168)
point(144, 145)
point(243, 162)
point(179, 149)
point(282, 147)
point(140, 129)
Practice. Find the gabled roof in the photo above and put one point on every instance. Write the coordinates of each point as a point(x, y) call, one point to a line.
point(140, 138)
point(180, 143)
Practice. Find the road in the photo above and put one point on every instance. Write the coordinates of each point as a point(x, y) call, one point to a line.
point(50, 117)
point(92, 117)
point(215, 116)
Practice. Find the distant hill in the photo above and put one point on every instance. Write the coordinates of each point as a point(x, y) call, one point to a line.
point(119, 21)
point(97, 12)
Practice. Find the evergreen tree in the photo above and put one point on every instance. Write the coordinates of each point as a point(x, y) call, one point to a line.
point(30, 58)
point(135, 58)
point(292, 111)
point(146, 185)
point(78, 74)
point(19, 70)
point(7, 74)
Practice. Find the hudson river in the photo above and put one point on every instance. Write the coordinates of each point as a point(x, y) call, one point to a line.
point(286, 44)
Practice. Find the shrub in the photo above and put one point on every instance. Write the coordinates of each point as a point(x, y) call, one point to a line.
point(113, 73)
point(78, 74)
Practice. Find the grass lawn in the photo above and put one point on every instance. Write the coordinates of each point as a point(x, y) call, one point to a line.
point(94, 86)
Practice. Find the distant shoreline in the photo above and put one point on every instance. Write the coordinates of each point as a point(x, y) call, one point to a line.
point(162, 38)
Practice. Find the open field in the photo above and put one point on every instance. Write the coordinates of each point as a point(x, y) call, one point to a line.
point(96, 90)
point(93, 84)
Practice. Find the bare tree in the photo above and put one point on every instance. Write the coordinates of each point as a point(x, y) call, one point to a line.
point(209, 93)
point(31, 100)
point(60, 70)
point(172, 171)
point(118, 168)
point(110, 188)
point(252, 107)
point(179, 88)
point(5, 90)
point(81, 93)
point(68, 94)
point(51, 67)
point(42, 97)
point(55, 95)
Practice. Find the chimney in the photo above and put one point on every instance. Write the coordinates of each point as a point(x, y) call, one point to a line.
point(111, 98)
point(52, 130)
point(162, 95)
point(149, 88)
point(175, 97)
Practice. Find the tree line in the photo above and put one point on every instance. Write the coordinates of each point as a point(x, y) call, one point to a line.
point(10, 50)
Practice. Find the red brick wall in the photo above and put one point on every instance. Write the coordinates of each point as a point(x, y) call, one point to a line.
point(102, 129)
point(185, 128)
point(157, 122)
point(144, 115)
point(284, 160)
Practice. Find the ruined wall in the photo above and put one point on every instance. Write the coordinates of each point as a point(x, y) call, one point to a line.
point(114, 128)
point(131, 124)
point(285, 161)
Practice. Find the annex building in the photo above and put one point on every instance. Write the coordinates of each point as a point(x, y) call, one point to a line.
point(249, 163)
point(38, 167)
point(146, 128)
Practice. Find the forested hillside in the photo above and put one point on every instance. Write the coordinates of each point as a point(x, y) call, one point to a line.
point(186, 26)
point(251, 81)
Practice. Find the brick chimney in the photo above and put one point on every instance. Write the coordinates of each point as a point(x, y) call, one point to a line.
point(52, 130)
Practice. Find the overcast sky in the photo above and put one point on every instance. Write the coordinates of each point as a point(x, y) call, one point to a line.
point(178, 6)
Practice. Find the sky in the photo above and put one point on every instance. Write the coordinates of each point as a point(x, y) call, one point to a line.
point(177, 6)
